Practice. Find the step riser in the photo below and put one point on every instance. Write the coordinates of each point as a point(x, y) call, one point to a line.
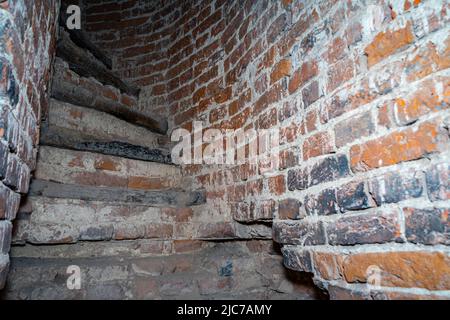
point(90, 124)
point(80, 38)
point(189, 275)
point(63, 221)
point(69, 87)
point(85, 168)
point(92, 193)
point(59, 221)
point(86, 65)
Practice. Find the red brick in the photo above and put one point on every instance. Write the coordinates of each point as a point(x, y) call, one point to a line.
point(400, 146)
point(317, 145)
point(281, 69)
point(277, 185)
point(387, 43)
point(307, 71)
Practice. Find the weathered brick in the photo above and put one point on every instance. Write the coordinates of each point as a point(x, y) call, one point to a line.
point(354, 196)
point(5, 236)
point(438, 182)
point(405, 269)
point(427, 226)
point(289, 209)
point(307, 71)
point(323, 203)
point(394, 187)
point(340, 73)
point(281, 69)
point(300, 232)
point(276, 28)
point(297, 179)
point(374, 227)
point(311, 93)
point(277, 185)
point(9, 203)
point(329, 169)
point(328, 265)
point(4, 268)
point(400, 146)
point(387, 43)
point(4, 152)
point(353, 128)
point(297, 259)
point(317, 145)
point(422, 101)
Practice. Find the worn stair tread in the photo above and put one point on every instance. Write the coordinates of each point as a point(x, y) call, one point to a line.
point(85, 64)
point(85, 129)
point(96, 169)
point(155, 198)
point(114, 148)
point(80, 38)
point(69, 86)
point(49, 220)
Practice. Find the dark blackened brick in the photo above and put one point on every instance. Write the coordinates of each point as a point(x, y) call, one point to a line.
point(324, 203)
point(427, 226)
point(329, 169)
point(301, 232)
point(311, 94)
point(394, 187)
point(438, 182)
point(295, 259)
point(13, 172)
point(12, 132)
point(4, 151)
point(353, 128)
point(276, 28)
point(297, 179)
point(353, 196)
point(289, 209)
point(8, 84)
point(5, 236)
point(370, 228)
point(9, 203)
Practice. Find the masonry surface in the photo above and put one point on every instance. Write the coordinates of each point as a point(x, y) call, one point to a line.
point(357, 90)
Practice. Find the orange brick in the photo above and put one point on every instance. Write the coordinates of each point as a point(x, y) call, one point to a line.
point(429, 270)
point(307, 71)
point(281, 69)
point(423, 101)
point(406, 145)
point(107, 164)
point(426, 60)
point(387, 43)
point(145, 183)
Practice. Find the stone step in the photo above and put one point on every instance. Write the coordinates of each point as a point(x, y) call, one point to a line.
point(84, 63)
point(230, 270)
point(176, 198)
point(106, 215)
point(79, 128)
point(80, 38)
point(94, 169)
point(68, 86)
point(52, 220)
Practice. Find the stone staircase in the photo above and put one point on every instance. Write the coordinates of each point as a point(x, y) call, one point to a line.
point(103, 176)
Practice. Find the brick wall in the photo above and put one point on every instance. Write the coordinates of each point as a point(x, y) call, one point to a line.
point(359, 91)
point(27, 31)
